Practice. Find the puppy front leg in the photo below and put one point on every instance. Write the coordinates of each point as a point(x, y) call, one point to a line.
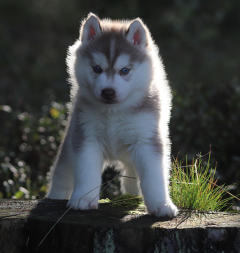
point(153, 169)
point(87, 177)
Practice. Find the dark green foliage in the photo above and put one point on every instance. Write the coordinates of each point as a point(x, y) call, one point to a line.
point(28, 146)
point(199, 43)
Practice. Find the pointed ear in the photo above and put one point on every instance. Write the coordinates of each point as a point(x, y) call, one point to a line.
point(90, 28)
point(136, 33)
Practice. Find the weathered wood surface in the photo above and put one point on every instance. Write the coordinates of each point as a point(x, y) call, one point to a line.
point(23, 225)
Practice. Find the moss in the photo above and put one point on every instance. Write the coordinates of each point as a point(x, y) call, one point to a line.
point(125, 200)
point(104, 242)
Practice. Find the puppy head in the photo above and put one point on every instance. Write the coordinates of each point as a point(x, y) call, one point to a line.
point(110, 61)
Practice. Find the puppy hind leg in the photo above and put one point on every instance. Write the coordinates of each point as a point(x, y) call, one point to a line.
point(129, 181)
point(61, 176)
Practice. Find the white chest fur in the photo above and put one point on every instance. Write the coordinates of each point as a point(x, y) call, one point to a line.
point(117, 131)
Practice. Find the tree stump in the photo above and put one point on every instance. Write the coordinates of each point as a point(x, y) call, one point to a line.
point(48, 226)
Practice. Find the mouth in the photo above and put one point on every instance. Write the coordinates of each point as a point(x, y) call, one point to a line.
point(109, 102)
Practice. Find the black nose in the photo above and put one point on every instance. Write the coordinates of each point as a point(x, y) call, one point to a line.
point(108, 94)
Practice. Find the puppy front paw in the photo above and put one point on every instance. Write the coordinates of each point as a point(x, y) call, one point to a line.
point(167, 209)
point(83, 202)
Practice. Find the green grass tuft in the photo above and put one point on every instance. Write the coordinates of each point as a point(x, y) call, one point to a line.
point(194, 186)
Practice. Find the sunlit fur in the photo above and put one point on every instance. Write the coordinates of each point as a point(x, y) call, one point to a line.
point(130, 129)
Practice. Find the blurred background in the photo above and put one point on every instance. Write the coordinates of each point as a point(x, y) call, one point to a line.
point(200, 46)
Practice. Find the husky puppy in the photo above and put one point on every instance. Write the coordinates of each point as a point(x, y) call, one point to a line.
point(120, 109)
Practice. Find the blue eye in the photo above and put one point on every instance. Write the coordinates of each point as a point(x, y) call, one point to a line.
point(124, 71)
point(97, 69)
